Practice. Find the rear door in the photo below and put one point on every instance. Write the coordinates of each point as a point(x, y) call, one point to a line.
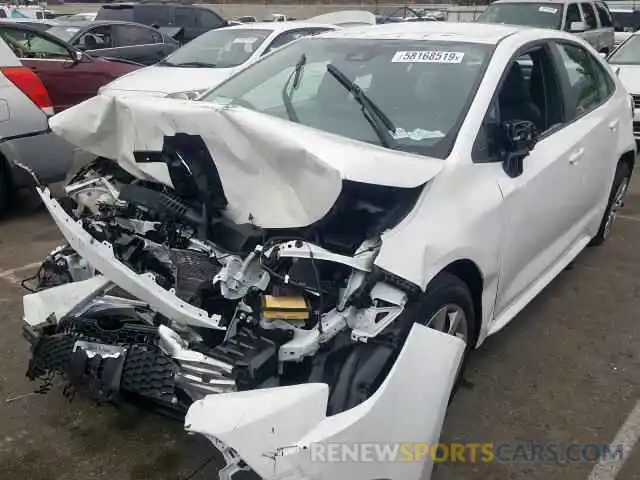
point(606, 26)
point(68, 81)
point(593, 33)
point(594, 122)
point(97, 41)
point(138, 43)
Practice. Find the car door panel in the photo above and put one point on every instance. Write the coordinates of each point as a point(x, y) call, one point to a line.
point(541, 223)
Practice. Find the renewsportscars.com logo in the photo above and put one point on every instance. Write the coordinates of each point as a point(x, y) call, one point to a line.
point(465, 452)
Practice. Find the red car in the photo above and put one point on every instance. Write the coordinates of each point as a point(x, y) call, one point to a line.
point(70, 76)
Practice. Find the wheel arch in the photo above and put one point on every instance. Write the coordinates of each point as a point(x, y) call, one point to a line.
point(469, 272)
point(628, 158)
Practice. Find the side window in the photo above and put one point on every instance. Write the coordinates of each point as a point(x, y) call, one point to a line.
point(186, 17)
point(129, 35)
point(96, 39)
point(590, 85)
point(603, 14)
point(589, 15)
point(529, 91)
point(27, 44)
point(3, 14)
point(573, 15)
point(208, 18)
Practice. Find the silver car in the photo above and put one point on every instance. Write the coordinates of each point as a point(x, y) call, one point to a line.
point(24, 130)
point(590, 20)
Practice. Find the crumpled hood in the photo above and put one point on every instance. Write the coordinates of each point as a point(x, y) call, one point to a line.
point(630, 77)
point(158, 81)
point(275, 173)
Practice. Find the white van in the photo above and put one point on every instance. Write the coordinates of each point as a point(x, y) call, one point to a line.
point(590, 20)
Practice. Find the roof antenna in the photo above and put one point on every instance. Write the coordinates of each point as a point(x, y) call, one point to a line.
point(617, 71)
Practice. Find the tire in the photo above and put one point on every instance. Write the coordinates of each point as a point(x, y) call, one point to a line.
point(449, 290)
point(366, 365)
point(619, 188)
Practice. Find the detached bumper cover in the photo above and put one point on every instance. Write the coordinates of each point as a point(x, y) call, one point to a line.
point(277, 430)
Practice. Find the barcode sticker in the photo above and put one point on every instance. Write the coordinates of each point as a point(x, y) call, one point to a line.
point(427, 56)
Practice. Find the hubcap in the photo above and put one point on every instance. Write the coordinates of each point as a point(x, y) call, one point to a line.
point(618, 202)
point(452, 320)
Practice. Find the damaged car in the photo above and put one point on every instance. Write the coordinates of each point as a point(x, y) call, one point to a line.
point(308, 253)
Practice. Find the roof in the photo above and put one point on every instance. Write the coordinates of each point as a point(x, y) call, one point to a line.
point(445, 31)
point(280, 26)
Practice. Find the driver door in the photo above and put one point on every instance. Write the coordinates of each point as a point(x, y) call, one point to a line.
point(67, 80)
point(542, 206)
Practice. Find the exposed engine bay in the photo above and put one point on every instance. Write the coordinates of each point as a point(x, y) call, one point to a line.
point(249, 307)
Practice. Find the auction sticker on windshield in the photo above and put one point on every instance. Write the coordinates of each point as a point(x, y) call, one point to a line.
point(548, 10)
point(427, 56)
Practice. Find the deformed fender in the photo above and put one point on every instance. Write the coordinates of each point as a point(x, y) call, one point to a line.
point(284, 433)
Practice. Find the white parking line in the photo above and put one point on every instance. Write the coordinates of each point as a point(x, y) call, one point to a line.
point(629, 217)
point(10, 275)
point(608, 468)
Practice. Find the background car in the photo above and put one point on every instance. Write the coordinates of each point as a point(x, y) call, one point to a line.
point(25, 138)
point(212, 57)
point(191, 20)
point(625, 60)
point(590, 20)
point(70, 75)
point(127, 40)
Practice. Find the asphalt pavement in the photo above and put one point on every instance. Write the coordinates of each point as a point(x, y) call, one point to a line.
point(565, 372)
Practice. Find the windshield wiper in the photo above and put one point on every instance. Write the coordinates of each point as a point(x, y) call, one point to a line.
point(380, 122)
point(166, 63)
point(286, 95)
point(195, 64)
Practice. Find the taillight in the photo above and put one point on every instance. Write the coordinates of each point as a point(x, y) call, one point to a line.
point(31, 85)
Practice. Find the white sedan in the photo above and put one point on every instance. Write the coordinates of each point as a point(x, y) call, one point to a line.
point(211, 58)
point(625, 61)
point(312, 249)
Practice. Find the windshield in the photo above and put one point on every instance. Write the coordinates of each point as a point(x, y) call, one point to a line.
point(543, 15)
point(628, 53)
point(222, 48)
point(64, 33)
point(422, 88)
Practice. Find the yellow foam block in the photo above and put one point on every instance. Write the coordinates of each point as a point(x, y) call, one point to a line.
point(284, 308)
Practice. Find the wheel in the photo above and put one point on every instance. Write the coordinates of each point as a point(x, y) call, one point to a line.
point(446, 305)
point(616, 201)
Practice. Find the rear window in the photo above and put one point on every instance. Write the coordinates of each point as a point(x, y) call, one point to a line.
point(116, 12)
point(542, 15)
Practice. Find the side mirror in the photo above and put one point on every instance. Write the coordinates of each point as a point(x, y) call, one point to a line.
point(576, 27)
point(78, 55)
point(518, 138)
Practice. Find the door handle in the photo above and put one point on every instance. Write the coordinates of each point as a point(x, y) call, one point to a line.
point(613, 125)
point(576, 155)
